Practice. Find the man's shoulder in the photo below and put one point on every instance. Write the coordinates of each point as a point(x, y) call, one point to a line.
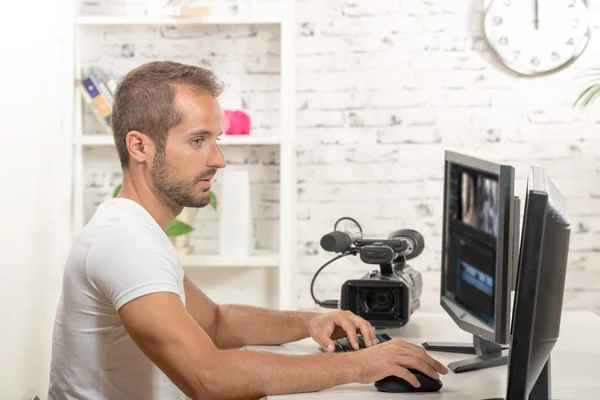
point(120, 233)
point(124, 256)
point(115, 227)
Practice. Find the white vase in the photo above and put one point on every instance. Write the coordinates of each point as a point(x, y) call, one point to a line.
point(235, 225)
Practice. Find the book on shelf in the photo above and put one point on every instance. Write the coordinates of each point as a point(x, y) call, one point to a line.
point(98, 88)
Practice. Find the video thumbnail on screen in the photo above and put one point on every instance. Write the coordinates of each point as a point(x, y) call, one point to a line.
point(479, 202)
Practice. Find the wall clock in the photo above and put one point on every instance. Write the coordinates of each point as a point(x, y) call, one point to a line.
point(536, 37)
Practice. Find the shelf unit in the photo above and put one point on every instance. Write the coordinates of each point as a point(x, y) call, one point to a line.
point(278, 12)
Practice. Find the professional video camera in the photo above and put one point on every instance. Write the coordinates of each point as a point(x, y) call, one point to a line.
point(386, 297)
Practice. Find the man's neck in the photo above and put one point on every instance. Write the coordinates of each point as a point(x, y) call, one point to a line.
point(140, 192)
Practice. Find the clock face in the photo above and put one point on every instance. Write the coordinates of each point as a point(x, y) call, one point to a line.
point(537, 36)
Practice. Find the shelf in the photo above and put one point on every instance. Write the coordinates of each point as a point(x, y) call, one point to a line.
point(107, 140)
point(270, 18)
point(259, 260)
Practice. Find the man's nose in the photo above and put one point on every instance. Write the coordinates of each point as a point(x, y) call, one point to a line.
point(217, 159)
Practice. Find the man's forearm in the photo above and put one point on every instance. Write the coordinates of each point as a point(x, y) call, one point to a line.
point(241, 374)
point(239, 325)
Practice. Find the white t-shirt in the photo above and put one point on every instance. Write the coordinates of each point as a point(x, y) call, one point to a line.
point(121, 254)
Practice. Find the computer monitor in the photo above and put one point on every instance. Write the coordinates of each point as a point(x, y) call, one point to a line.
point(540, 289)
point(480, 231)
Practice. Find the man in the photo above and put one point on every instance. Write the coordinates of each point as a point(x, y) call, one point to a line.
point(131, 325)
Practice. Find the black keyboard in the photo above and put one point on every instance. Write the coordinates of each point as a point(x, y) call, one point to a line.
point(344, 345)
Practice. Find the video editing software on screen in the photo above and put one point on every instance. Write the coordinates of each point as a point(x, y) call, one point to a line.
point(472, 231)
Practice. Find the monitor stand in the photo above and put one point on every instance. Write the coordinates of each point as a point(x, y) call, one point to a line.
point(541, 390)
point(489, 354)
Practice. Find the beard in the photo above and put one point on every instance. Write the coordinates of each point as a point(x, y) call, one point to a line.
point(178, 192)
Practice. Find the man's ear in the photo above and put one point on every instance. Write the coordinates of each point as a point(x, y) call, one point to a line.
point(140, 147)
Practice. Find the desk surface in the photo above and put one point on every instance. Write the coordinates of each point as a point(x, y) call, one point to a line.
point(575, 363)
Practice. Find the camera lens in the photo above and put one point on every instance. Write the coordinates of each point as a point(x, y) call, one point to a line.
point(380, 300)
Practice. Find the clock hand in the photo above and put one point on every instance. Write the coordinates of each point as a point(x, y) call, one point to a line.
point(536, 15)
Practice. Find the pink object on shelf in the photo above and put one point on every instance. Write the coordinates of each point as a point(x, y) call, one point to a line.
point(236, 122)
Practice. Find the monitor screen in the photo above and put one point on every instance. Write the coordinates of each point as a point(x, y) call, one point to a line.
point(473, 210)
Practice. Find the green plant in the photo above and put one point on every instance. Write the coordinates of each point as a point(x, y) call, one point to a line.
point(591, 90)
point(178, 227)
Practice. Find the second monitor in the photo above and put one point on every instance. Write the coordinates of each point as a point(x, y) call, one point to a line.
point(479, 241)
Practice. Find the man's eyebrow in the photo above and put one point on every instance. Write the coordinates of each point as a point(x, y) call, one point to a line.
point(201, 132)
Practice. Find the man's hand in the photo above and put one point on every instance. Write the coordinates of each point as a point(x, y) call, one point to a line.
point(337, 324)
point(395, 357)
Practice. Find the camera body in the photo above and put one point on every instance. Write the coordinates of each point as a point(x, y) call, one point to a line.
point(386, 297)
point(386, 300)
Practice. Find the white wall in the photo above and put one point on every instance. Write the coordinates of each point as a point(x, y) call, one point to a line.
point(34, 202)
point(385, 87)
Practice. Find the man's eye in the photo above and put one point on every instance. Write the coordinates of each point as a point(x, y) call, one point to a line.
point(198, 140)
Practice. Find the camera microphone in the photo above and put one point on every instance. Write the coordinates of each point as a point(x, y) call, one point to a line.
point(338, 241)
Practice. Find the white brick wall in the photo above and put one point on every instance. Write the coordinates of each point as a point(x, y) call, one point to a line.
point(383, 89)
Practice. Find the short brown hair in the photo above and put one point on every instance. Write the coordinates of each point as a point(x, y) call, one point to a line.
point(144, 100)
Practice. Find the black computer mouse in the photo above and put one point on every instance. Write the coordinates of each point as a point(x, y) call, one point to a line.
point(394, 384)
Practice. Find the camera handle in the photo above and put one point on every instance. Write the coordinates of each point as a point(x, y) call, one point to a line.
point(386, 269)
point(398, 263)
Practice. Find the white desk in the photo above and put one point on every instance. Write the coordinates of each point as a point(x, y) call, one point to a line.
point(575, 363)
